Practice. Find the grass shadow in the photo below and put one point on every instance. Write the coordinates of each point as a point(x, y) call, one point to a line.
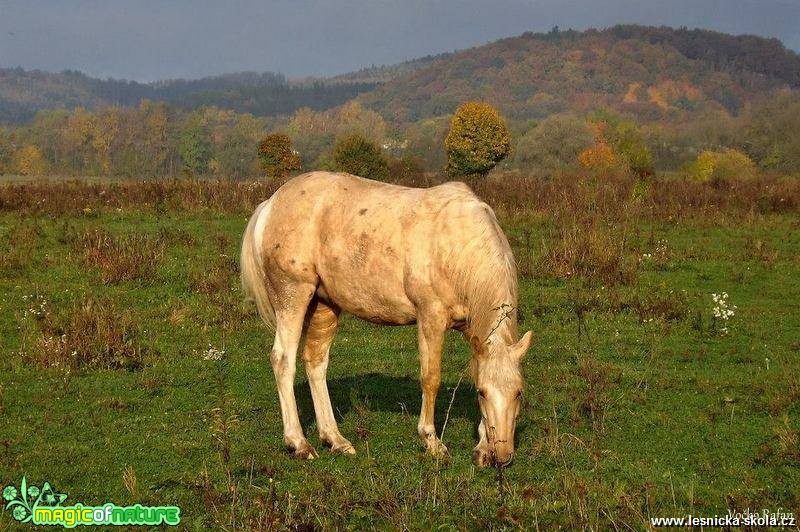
point(398, 395)
point(385, 393)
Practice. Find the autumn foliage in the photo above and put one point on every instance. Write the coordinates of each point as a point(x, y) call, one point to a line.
point(477, 141)
point(725, 164)
point(359, 156)
point(277, 157)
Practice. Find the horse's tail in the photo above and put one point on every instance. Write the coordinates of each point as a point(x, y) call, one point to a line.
point(253, 275)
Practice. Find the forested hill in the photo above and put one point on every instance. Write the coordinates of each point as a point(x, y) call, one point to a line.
point(653, 73)
point(24, 92)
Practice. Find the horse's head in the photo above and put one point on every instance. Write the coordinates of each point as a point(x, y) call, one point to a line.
point(497, 376)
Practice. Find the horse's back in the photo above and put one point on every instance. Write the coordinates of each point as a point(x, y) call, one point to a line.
point(367, 245)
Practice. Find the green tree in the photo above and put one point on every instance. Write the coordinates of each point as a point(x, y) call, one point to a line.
point(356, 155)
point(553, 145)
point(277, 157)
point(194, 148)
point(625, 139)
point(477, 141)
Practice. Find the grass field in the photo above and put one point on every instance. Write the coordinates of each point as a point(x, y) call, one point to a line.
point(638, 401)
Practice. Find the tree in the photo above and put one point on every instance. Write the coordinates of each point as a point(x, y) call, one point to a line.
point(356, 155)
point(552, 146)
point(195, 149)
point(28, 161)
point(625, 139)
point(277, 157)
point(477, 141)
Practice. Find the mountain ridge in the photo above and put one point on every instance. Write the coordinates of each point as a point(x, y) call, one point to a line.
point(651, 72)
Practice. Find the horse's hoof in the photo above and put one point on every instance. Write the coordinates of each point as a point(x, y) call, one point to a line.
point(304, 451)
point(438, 450)
point(481, 458)
point(343, 448)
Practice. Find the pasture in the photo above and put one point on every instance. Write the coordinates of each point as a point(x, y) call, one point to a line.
point(132, 372)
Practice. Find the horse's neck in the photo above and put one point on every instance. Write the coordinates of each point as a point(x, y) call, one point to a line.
point(503, 323)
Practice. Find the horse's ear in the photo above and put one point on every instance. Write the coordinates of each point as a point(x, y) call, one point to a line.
point(521, 347)
point(478, 347)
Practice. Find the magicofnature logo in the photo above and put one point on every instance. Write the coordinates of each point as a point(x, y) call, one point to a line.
point(42, 506)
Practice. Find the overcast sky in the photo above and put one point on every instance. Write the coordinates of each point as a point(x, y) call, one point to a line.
point(147, 40)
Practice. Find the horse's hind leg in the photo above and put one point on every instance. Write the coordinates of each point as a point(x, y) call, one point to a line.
point(290, 315)
point(323, 321)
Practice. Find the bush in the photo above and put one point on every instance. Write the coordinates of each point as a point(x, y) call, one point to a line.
point(277, 157)
point(726, 164)
point(358, 156)
point(408, 171)
point(601, 159)
point(477, 141)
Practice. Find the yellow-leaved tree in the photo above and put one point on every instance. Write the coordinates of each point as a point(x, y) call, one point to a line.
point(28, 160)
point(477, 141)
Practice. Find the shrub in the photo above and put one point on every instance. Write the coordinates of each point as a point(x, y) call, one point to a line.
point(477, 141)
point(407, 171)
point(600, 159)
point(277, 157)
point(727, 164)
point(356, 155)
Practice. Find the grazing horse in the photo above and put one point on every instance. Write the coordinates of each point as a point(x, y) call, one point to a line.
point(330, 242)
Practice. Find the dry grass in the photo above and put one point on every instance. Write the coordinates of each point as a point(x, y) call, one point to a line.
point(587, 251)
point(120, 258)
point(610, 198)
point(597, 379)
point(93, 333)
point(216, 278)
point(16, 249)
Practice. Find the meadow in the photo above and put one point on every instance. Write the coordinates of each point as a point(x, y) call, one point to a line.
point(132, 371)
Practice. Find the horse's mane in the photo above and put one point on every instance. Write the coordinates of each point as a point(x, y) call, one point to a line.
point(481, 266)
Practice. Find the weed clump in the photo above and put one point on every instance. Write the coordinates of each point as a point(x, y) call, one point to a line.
point(92, 334)
point(123, 258)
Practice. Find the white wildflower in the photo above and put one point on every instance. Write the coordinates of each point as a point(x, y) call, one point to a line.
point(212, 353)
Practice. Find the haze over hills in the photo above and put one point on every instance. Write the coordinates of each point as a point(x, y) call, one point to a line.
point(24, 92)
point(651, 72)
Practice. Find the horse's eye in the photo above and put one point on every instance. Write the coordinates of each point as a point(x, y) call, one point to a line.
point(519, 395)
point(482, 394)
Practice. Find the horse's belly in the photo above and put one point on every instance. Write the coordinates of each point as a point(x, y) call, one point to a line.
point(367, 283)
point(370, 301)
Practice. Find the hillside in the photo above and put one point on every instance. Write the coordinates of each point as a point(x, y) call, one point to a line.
point(652, 73)
point(24, 92)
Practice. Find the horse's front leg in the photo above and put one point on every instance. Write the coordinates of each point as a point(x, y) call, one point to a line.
point(431, 329)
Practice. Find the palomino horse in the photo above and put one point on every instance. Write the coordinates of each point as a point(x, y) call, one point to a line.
point(327, 242)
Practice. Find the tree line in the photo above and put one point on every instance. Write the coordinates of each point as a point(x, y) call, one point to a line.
point(155, 139)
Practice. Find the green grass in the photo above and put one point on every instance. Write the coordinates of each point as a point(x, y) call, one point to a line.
point(686, 420)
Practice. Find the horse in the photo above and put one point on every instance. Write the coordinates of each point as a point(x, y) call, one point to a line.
point(327, 242)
